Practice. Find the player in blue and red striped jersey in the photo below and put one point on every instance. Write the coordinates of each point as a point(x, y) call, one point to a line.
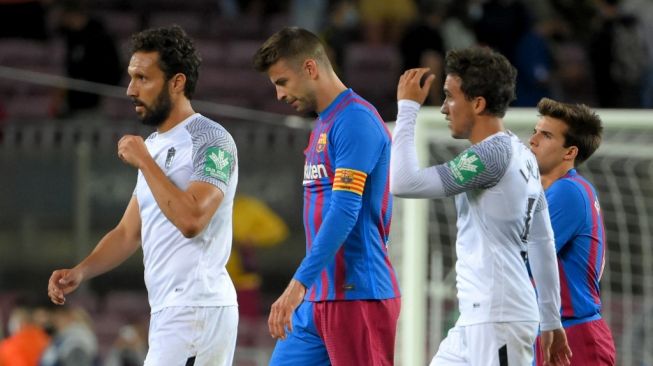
point(342, 305)
point(563, 138)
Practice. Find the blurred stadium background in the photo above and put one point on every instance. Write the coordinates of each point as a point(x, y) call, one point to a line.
point(62, 186)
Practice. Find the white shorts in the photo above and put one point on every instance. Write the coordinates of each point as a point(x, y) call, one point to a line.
point(488, 344)
point(199, 336)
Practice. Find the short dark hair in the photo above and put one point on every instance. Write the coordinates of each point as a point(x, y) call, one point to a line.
point(293, 44)
point(484, 73)
point(584, 127)
point(177, 54)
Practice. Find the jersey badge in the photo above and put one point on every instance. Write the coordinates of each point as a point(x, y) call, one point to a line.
point(218, 163)
point(466, 167)
point(170, 157)
point(321, 142)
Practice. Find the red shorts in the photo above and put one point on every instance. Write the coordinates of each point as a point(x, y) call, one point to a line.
point(591, 345)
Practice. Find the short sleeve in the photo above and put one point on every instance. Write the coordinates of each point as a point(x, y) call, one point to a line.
point(214, 155)
point(478, 167)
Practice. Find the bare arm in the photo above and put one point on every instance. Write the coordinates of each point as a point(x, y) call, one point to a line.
point(113, 249)
point(189, 210)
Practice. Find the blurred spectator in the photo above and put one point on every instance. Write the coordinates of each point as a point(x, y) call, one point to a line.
point(130, 348)
point(341, 29)
point(74, 343)
point(534, 63)
point(255, 225)
point(457, 29)
point(502, 23)
point(573, 82)
point(643, 9)
point(578, 15)
point(422, 46)
point(384, 20)
point(308, 14)
point(22, 19)
point(91, 55)
point(619, 57)
point(26, 341)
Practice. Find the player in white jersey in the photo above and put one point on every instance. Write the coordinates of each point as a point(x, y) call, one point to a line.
point(502, 215)
point(181, 210)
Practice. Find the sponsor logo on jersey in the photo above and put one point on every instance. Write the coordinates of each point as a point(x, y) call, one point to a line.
point(218, 163)
point(314, 172)
point(466, 167)
point(321, 142)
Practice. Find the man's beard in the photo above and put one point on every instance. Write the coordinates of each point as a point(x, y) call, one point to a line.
point(158, 112)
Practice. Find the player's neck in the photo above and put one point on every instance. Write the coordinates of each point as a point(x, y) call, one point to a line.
point(180, 111)
point(484, 127)
point(328, 91)
point(556, 173)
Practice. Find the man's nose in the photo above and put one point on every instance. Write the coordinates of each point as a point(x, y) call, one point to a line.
point(281, 95)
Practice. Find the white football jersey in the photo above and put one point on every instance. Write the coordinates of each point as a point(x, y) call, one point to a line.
point(493, 226)
point(502, 218)
point(181, 271)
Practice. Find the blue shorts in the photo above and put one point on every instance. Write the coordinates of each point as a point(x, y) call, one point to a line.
point(340, 333)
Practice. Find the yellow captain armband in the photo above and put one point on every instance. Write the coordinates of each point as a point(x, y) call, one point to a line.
point(349, 180)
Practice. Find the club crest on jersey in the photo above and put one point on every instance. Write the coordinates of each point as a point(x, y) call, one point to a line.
point(170, 157)
point(347, 176)
point(466, 167)
point(321, 142)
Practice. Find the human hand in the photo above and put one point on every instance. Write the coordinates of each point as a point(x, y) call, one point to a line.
point(132, 150)
point(410, 87)
point(281, 311)
point(63, 282)
point(555, 350)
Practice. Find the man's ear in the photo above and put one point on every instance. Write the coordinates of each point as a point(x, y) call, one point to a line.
point(311, 69)
point(178, 83)
point(479, 105)
point(571, 154)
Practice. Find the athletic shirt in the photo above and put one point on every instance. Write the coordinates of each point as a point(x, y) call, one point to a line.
point(347, 205)
point(180, 271)
point(580, 242)
point(502, 218)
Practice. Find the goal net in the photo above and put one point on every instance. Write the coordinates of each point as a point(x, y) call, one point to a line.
point(424, 233)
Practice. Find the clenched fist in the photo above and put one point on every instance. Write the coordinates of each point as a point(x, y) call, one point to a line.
point(132, 150)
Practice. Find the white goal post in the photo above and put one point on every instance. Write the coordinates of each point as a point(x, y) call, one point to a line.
point(423, 236)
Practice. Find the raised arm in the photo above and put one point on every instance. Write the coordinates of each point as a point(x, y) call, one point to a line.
point(189, 210)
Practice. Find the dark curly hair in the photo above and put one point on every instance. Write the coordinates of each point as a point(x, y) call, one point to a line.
point(293, 44)
point(177, 54)
point(484, 73)
point(584, 128)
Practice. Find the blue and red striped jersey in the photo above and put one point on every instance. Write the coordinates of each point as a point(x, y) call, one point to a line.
point(580, 242)
point(347, 205)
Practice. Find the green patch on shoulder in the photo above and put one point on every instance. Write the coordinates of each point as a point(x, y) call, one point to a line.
point(466, 167)
point(218, 163)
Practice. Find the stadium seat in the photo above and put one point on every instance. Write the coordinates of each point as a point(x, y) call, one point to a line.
point(212, 52)
point(242, 28)
point(192, 22)
point(34, 107)
point(232, 82)
point(121, 24)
